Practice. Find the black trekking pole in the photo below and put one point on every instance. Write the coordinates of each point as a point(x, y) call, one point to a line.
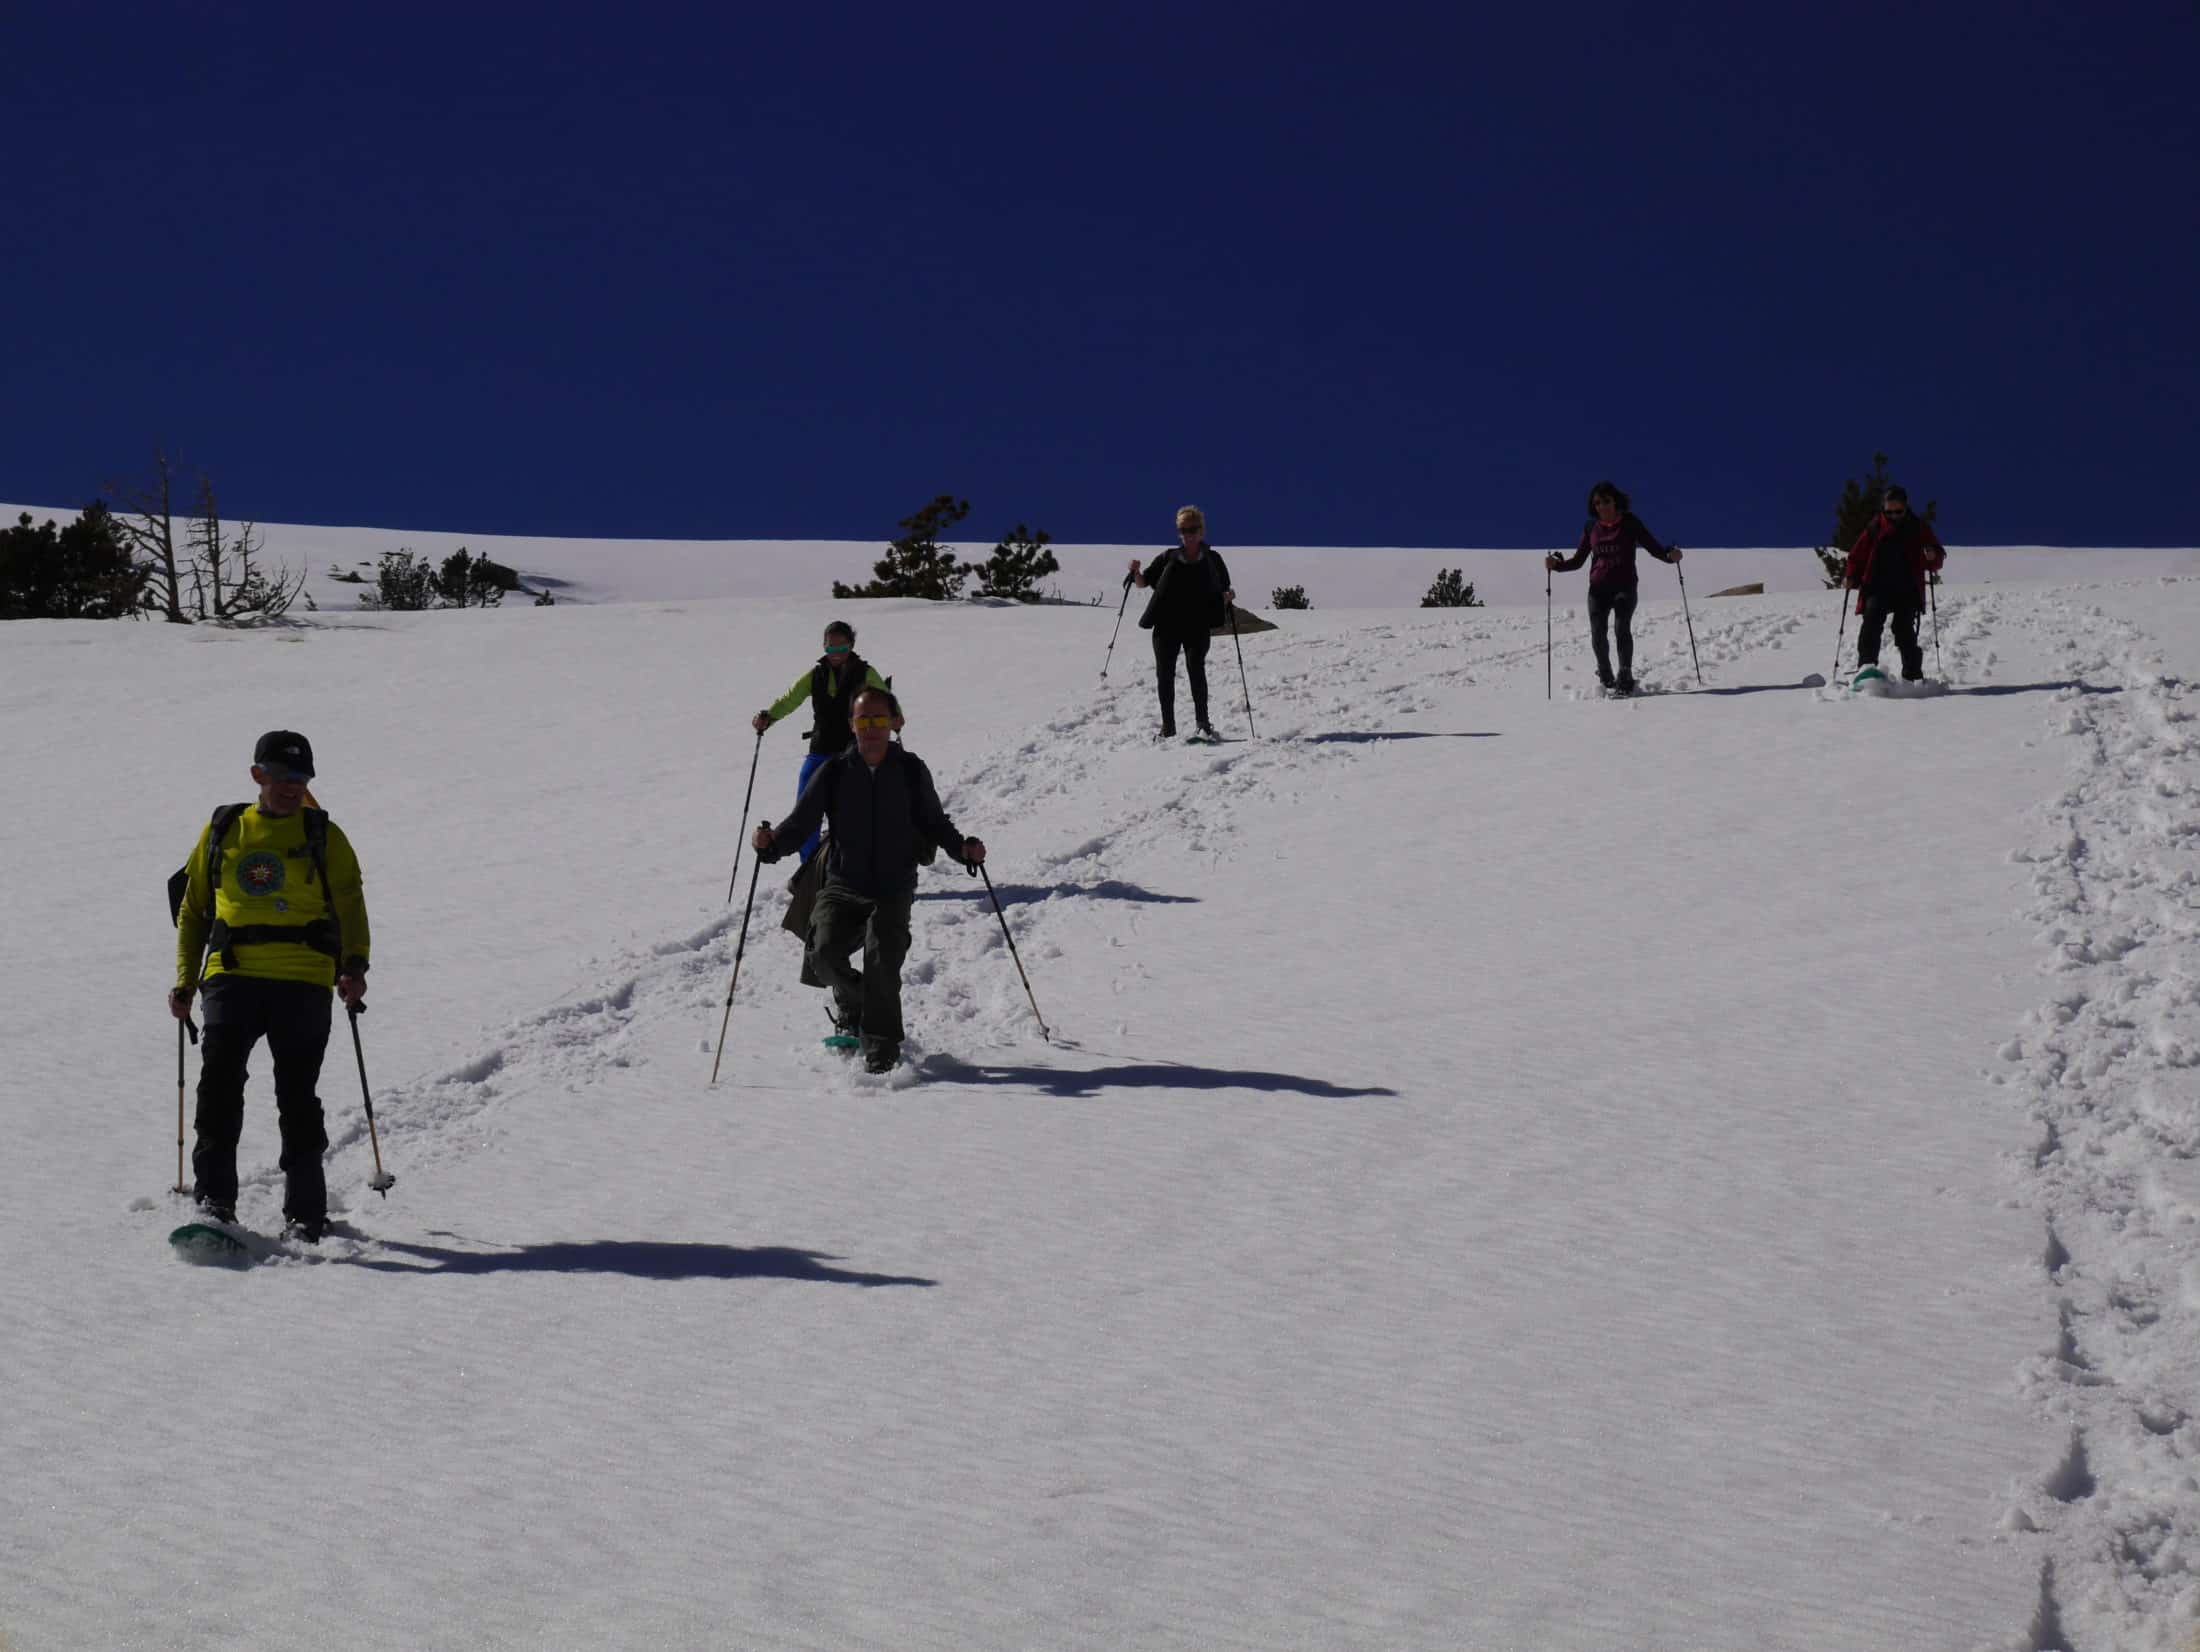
point(1546, 630)
point(1840, 634)
point(182, 1027)
point(1242, 683)
point(381, 1181)
point(1692, 654)
point(735, 875)
point(979, 868)
point(1931, 580)
point(1121, 608)
point(756, 865)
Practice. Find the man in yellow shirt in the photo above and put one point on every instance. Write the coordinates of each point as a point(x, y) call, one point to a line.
point(273, 915)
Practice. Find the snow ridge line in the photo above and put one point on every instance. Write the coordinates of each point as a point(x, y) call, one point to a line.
point(2108, 1067)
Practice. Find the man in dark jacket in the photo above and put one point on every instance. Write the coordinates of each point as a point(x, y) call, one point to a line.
point(1886, 569)
point(884, 811)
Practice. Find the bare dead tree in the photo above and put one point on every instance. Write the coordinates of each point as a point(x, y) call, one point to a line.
point(204, 538)
point(257, 593)
point(230, 586)
point(146, 522)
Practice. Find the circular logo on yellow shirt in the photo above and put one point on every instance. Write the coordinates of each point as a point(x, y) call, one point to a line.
point(260, 873)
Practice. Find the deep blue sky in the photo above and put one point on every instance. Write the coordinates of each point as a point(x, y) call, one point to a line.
point(1342, 274)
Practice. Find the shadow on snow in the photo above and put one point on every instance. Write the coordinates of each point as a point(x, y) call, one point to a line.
point(1942, 692)
point(1985, 690)
point(636, 1258)
point(1393, 734)
point(1024, 894)
point(1140, 1075)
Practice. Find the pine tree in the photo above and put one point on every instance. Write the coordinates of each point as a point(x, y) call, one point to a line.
point(917, 564)
point(1289, 596)
point(1451, 590)
point(83, 571)
point(1017, 565)
point(470, 581)
point(403, 583)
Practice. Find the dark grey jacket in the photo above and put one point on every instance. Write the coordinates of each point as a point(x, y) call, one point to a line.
point(881, 819)
point(1187, 596)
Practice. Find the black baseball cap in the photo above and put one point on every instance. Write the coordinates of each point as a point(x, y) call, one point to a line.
point(282, 748)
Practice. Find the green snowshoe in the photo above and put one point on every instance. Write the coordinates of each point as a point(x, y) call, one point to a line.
point(205, 1242)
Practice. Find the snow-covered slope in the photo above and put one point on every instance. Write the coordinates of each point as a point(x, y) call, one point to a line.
point(1707, 1172)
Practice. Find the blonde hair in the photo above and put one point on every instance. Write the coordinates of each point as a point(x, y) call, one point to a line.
point(1191, 516)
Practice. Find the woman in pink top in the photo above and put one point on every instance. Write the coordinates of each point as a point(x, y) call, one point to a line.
point(1608, 545)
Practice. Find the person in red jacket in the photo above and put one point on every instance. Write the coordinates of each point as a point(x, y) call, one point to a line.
point(1886, 569)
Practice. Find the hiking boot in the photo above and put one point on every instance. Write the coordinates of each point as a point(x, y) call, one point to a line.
point(1168, 730)
point(1626, 683)
point(309, 1229)
point(883, 1059)
point(1207, 732)
point(1604, 681)
point(216, 1210)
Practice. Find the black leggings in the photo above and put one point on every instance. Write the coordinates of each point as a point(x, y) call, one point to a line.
point(1166, 646)
point(1616, 603)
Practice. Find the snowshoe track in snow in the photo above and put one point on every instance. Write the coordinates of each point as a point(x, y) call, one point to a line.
point(2105, 1066)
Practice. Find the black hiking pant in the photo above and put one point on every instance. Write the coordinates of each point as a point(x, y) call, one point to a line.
point(1166, 646)
point(1614, 604)
point(1878, 610)
point(293, 1016)
point(868, 999)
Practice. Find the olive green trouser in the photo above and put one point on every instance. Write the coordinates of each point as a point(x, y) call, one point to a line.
point(870, 998)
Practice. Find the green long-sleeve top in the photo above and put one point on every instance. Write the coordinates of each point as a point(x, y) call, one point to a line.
point(830, 733)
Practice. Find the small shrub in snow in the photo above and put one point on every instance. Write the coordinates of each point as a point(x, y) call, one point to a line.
point(1451, 590)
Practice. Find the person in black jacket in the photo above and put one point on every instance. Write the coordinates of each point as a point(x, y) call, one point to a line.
point(1191, 596)
point(885, 812)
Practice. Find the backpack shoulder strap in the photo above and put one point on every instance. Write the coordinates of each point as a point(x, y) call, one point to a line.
point(216, 830)
point(317, 848)
point(181, 882)
point(317, 845)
